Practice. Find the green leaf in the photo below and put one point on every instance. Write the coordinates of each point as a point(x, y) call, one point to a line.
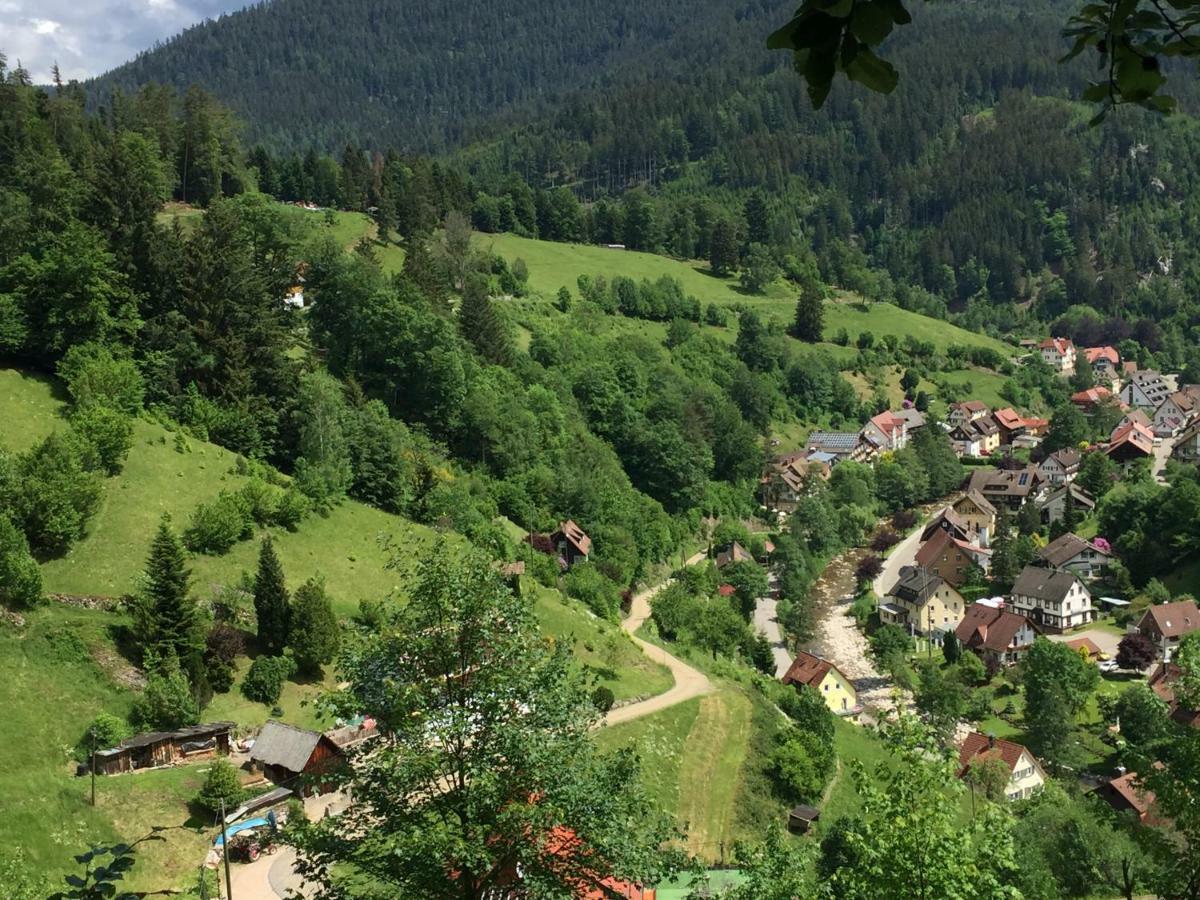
point(784, 38)
point(872, 72)
point(1095, 93)
point(896, 9)
point(75, 881)
point(872, 22)
point(839, 9)
point(819, 68)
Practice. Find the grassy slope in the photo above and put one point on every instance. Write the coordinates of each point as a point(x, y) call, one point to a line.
point(553, 265)
point(51, 685)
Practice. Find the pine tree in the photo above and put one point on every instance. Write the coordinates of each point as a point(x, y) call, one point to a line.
point(481, 324)
point(313, 629)
point(810, 315)
point(270, 600)
point(166, 617)
point(722, 249)
point(757, 230)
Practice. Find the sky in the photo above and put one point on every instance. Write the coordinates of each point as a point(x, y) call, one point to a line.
point(89, 37)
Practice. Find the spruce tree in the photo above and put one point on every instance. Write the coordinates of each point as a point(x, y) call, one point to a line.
point(481, 324)
point(810, 314)
point(722, 248)
point(166, 617)
point(313, 629)
point(270, 600)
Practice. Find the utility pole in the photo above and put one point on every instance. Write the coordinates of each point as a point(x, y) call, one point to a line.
point(225, 854)
point(93, 734)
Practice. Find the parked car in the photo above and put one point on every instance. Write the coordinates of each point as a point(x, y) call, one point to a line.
point(1108, 665)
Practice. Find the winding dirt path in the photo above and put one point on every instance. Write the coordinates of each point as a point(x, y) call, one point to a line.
point(689, 682)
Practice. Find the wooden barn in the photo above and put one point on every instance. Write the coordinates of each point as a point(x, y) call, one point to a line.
point(165, 748)
point(285, 753)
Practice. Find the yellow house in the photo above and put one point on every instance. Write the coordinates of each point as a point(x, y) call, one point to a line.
point(924, 600)
point(977, 512)
point(826, 679)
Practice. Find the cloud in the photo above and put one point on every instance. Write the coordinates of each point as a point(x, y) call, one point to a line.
point(89, 38)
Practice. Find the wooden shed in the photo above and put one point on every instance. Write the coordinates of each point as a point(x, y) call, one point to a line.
point(802, 818)
point(164, 748)
point(284, 753)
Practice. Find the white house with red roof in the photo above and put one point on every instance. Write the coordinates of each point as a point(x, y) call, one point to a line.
point(1058, 354)
point(1105, 362)
point(887, 431)
point(1025, 775)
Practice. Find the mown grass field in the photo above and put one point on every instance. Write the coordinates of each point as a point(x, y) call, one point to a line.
point(554, 265)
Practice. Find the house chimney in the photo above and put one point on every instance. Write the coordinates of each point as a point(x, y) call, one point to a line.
point(991, 741)
point(1120, 771)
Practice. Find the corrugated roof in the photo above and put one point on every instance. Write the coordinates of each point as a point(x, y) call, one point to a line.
point(190, 733)
point(284, 745)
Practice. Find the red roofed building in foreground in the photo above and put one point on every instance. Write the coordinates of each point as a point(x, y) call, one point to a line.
point(1025, 775)
point(562, 853)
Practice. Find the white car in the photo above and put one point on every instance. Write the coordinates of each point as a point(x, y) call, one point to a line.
point(1108, 665)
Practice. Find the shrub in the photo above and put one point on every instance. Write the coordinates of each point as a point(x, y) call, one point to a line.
point(801, 765)
point(970, 670)
point(217, 526)
point(94, 376)
point(109, 730)
point(106, 437)
point(50, 495)
point(603, 699)
point(221, 784)
point(979, 705)
point(884, 540)
point(167, 702)
point(264, 682)
point(863, 607)
point(20, 577)
point(584, 582)
point(222, 647)
point(903, 519)
point(1136, 651)
point(869, 568)
point(293, 507)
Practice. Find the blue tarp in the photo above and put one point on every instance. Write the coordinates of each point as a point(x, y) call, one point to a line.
point(248, 825)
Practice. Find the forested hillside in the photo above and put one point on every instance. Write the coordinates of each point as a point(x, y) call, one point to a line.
point(975, 191)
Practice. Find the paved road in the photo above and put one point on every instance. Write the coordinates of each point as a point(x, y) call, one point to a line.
point(766, 621)
point(903, 554)
point(689, 682)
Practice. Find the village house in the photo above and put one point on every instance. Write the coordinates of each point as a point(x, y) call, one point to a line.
point(1011, 423)
point(913, 418)
point(995, 634)
point(734, 553)
point(1144, 388)
point(979, 515)
point(948, 521)
point(965, 411)
point(782, 484)
point(1054, 504)
point(949, 558)
point(840, 445)
point(1071, 553)
point(1025, 775)
point(1186, 448)
point(1126, 794)
point(1091, 398)
point(887, 432)
point(295, 757)
point(826, 679)
point(1060, 466)
point(1166, 623)
point(571, 543)
point(979, 437)
point(1162, 682)
point(923, 602)
point(1006, 487)
point(165, 748)
point(1105, 363)
point(1053, 600)
point(1130, 444)
point(1058, 354)
point(1174, 414)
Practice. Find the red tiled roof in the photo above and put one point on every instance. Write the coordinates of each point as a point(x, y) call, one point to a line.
point(1094, 353)
point(1058, 345)
point(807, 669)
point(1091, 396)
point(1133, 435)
point(1087, 644)
point(988, 628)
point(888, 423)
point(972, 406)
point(981, 746)
point(1008, 418)
point(1128, 788)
